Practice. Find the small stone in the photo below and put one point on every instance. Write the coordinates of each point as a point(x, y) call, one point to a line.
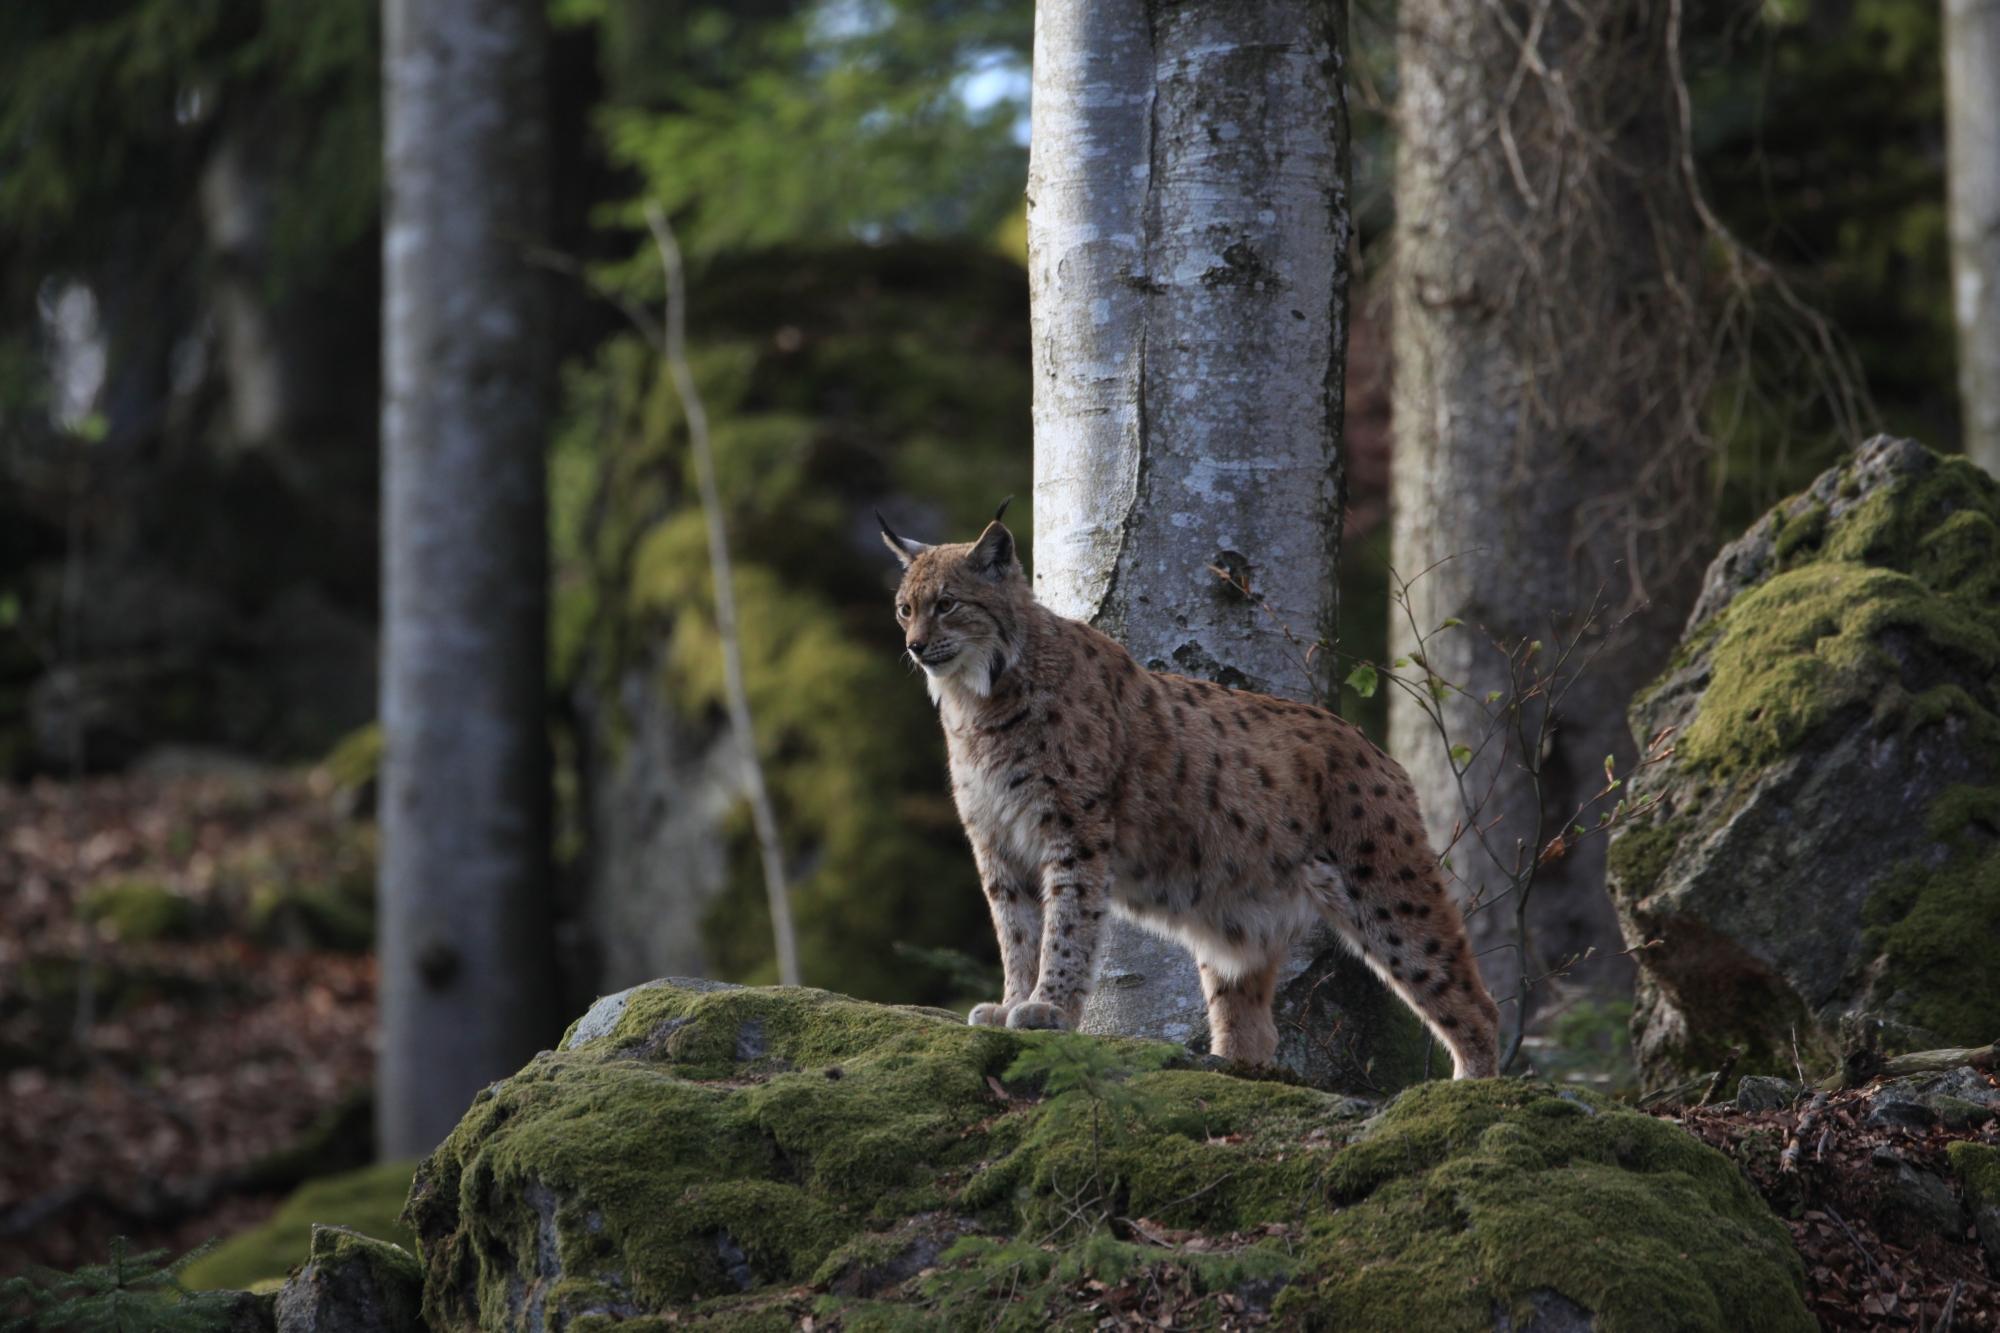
point(1758, 1093)
point(353, 1283)
point(1913, 1204)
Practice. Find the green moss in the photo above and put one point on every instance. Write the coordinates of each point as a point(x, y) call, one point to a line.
point(338, 914)
point(139, 911)
point(368, 1201)
point(800, 1138)
point(356, 761)
point(1977, 1166)
point(391, 1274)
point(1801, 533)
point(1919, 559)
point(1467, 1197)
point(1934, 925)
point(1639, 856)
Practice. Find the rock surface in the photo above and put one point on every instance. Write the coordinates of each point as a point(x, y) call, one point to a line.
point(752, 1157)
point(352, 1283)
point(1822, 865)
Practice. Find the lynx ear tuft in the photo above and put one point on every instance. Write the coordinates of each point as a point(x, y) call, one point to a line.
point(905, 549)
point(993, 554)
point(1001, 512)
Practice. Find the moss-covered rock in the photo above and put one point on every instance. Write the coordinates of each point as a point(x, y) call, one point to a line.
point(1976, 1166)
point(1820, 862)
point(352, 1283)
point(748, 1157)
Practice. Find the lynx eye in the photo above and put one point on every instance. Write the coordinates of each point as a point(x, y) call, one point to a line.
point(943, 606)
point(902, 610)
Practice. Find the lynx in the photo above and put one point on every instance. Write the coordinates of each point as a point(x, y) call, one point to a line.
point(1226, 820)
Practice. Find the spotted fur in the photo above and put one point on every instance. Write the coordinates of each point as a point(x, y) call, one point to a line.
point(1227, 820)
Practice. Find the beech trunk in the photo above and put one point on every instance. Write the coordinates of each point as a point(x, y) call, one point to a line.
point(466, 959)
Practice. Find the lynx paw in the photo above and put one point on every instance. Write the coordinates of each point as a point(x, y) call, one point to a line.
point(988, 1015)
point(1036, 1014)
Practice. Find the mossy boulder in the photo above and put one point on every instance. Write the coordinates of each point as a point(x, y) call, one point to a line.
point(1818, 866)
point(352, 1283)
point(748, 1157)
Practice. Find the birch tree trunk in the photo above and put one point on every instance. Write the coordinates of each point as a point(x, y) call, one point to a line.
point(1972, 132)
point(1187, 252)
point(1545, 395)
point(466, 960)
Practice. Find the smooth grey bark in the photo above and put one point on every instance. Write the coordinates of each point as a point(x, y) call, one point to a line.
point(1187, 252)
point(1972, 135)
point(1544, 287)
point(466, 955)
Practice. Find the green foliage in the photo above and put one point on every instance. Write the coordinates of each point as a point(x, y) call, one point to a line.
point(831, 378)
point(821, 122)
point(1819, 135)
point(1062, 1063)
point(106, 104)
point(368, 1201)
point(130, 1293)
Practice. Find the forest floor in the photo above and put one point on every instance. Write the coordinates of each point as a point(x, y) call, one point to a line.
point(1873, 1260)
point(205, 935)
point(177, 1047)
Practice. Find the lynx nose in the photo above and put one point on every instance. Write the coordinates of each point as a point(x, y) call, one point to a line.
point(917, 647)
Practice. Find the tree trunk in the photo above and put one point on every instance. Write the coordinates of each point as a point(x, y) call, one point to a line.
point(1187, 246)
point(465, 948)
point(1546, 385)
point(1972, 131)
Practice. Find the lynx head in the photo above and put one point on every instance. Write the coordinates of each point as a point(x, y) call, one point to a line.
point(961, 606)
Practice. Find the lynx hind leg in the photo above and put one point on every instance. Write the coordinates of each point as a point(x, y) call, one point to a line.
point(1410, 933)
point(1241, 1025)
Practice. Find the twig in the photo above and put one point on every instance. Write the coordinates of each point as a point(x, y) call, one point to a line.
point(1720, 1077)
point(761, 814)
point(1866, 1253)
point(1950, 1309)
point(1795, 1147)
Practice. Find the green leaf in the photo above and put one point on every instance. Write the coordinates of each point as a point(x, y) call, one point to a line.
point(1451, 622)
point(1461, 755)
point(1362, 680)
point(1439, 687)
point(1493, 696)
point(1400, 663)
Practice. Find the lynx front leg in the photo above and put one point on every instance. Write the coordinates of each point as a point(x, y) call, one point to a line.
point(1017, 925)
point(1073, 892)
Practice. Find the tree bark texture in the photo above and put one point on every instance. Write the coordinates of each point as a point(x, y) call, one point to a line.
point(1187, 248)
point(1546, 396)
point(1972, 133)
point(466, 956)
